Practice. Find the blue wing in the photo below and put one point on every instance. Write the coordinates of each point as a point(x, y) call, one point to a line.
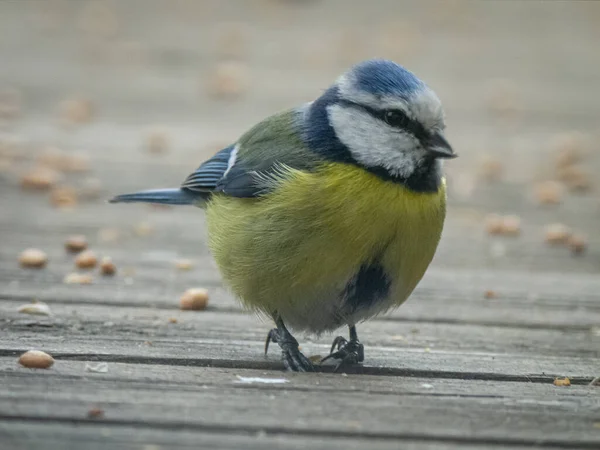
point(246, 168)
point(227, 174)
point(210, 172)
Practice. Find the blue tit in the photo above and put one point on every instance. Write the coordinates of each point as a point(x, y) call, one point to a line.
point(327, 214)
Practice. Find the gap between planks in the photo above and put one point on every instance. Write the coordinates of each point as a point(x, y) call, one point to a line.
point(278, 366)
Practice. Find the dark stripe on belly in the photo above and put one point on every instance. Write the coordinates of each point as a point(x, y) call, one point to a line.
point(370, 285)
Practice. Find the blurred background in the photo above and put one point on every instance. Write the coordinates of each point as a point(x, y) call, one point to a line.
point(102, 97)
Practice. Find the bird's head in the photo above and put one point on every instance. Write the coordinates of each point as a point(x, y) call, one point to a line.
point(382, 117)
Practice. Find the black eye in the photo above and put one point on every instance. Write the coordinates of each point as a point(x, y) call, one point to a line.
point(395, 118)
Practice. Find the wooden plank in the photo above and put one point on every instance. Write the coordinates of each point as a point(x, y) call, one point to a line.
point(464, 244)
point(329, 411)
point(148, 374)
point(63, 435)
point(217, 352)
point(91, 320)
point(444, 295)
point(469, 391)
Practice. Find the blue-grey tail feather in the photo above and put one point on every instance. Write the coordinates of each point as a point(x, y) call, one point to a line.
point(165, 196)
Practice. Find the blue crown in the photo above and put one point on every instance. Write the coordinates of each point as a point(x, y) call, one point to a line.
point(383, 77)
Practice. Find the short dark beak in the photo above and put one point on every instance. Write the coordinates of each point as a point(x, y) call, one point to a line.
point(438, 147)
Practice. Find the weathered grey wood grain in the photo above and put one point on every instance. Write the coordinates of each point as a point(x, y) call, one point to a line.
point(69, 435)
point(184, 377)
point(445, 295)
point(217, 352)
point(486, 381)
point(187, 224)
point(329, 412)
point(91, 320)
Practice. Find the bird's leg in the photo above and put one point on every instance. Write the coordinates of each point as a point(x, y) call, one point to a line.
point(293, 360)
point(348, 351)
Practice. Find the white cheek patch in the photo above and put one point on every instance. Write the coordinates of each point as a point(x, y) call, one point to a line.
point(374, 144)
point(231, 161)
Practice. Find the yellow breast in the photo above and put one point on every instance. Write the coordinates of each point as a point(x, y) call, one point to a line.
point(292, 249)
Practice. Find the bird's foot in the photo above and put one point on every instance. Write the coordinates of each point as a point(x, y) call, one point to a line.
point(348, 352)
point(293, 359)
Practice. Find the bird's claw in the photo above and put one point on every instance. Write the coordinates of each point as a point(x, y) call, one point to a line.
point(348, 352)
point(292, 358)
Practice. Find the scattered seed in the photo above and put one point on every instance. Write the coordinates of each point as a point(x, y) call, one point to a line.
point(194, 299)
point(33, 257)
point(577, 243)
point(548, 193)
point(95, 413)
point(490, 294)
point(184, 264)
point(511, 225)
point(39, 178)
point(503, 225)
point(76, 243)
point(63, 197)
point(494, 224)
point(557, 234)
point(36, 359)
point(562, 382)
point(107, 267)
point(36, 308)
point(78, 278)
point(86, 260)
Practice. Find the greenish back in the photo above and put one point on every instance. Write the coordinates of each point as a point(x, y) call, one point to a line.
point(274, 141)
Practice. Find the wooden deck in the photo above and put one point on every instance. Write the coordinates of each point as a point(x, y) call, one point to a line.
point(451, 369)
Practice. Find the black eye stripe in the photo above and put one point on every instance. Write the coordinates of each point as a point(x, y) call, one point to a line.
point(404, 122)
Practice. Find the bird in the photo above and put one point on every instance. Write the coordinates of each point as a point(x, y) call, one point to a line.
point(329, 213)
